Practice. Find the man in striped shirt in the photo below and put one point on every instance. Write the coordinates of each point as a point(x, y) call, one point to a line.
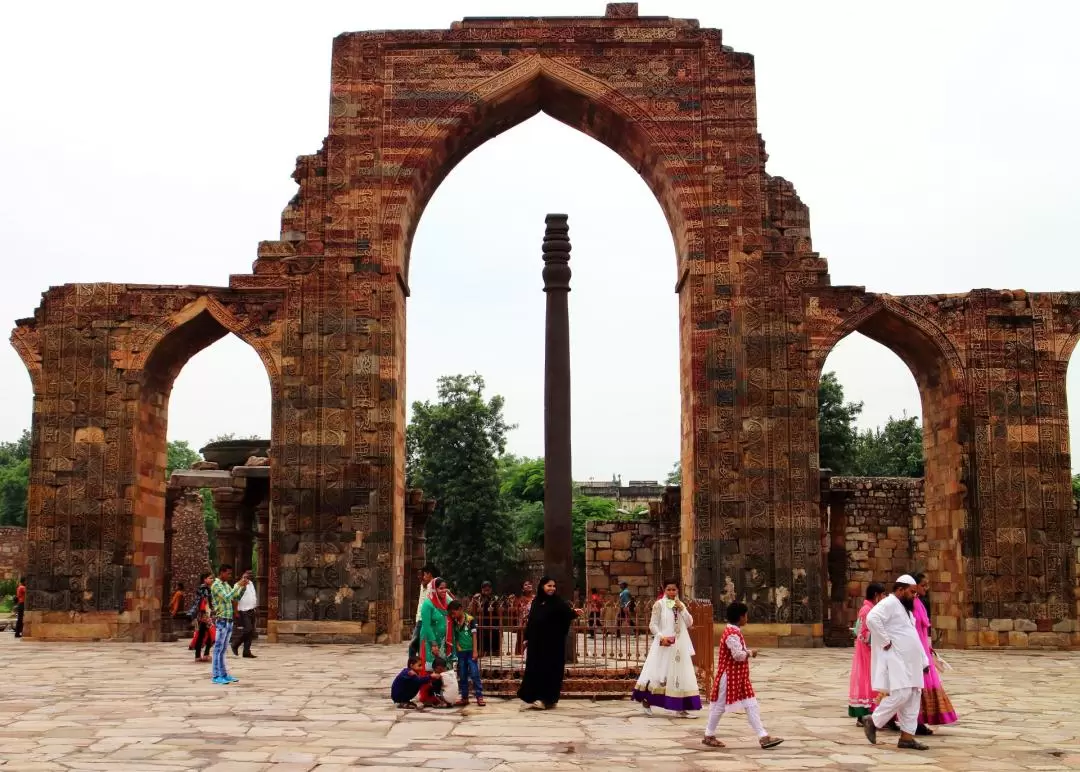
point(221, 599)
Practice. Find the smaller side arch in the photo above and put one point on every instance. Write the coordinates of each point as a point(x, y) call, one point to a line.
point(885, 319)
point(209, 321)
point(157, 356)
point(940, 373)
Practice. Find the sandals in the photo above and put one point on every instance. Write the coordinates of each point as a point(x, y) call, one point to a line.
point(912, 745)
point(712, 742)
point(480, 702)
point(410, 705)
point(768, 742)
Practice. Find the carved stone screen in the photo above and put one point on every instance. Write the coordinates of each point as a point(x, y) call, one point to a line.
point(324, 306)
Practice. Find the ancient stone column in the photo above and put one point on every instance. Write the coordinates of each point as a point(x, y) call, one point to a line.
point(558, 493)
point(228, 502)
point(262, 547)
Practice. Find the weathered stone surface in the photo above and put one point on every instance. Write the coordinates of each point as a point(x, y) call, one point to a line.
point(200, 478)
point(190, 545)
point(77, 707)
point(1001, 625)
point(1018, 640)
point(12, 551)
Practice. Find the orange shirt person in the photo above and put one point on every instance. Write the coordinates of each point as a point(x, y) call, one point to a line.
point(176, 600)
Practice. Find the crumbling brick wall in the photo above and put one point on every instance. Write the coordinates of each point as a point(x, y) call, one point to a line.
point(190, 545)
point(622, 552)
point(885, 529)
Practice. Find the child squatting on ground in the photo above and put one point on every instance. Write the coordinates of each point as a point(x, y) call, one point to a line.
point(407, 683)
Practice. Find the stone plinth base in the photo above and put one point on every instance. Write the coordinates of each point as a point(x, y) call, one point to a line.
point(284, 631)
point(130, 627)
point(783, 636)
point(1013, 634)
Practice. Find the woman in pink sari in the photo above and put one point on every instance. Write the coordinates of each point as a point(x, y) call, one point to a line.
point(861, 697)
point(936, 707)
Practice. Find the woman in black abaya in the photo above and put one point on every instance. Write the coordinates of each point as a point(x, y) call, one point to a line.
point(545, 646)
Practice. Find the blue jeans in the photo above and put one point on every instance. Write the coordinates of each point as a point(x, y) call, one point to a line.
point(469, 670)
point(223, 632)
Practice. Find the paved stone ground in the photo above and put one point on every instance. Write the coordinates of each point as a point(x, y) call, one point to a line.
point(148, 707)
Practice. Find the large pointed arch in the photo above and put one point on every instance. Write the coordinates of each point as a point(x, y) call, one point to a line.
point(575, 98)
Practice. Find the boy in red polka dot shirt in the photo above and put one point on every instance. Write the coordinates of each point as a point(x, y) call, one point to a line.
point(731, 689)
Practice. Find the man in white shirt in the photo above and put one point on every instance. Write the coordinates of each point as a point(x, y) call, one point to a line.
point(897, 663)
point(427, 576)
point(244, 630)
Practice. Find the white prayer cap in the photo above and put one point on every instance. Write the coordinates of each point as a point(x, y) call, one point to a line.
point(906, 579)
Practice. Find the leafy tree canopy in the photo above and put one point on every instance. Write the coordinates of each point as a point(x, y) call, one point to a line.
point(522, 479)
point(179, 455)
point(14, 480)
point(837, 435)
point(893, 451)
point(453, 446)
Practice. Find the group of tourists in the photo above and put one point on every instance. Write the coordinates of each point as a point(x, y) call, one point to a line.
point(894, 676)
point(895, 681)
point(446, 634)
point(223, 616)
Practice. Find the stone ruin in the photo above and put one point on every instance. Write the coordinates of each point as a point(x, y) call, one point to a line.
point(324, 307)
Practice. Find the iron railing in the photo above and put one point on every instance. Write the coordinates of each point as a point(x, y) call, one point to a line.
point(609, 646)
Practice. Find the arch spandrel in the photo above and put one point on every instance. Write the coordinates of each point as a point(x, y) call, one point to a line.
point(499, 102)
point(927, 348)
point(261, 334)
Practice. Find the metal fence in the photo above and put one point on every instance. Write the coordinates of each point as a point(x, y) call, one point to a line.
point(609, 646)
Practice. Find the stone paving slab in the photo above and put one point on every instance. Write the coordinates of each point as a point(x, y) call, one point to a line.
point(149, 707)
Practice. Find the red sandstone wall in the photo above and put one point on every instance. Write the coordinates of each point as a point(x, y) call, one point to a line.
point(885, 529)
point(12, 552)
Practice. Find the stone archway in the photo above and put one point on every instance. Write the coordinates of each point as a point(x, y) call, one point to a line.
point(325, 304)
point(941, 378)
point(163, 352)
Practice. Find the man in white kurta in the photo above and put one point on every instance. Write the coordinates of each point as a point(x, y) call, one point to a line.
point(897, 662)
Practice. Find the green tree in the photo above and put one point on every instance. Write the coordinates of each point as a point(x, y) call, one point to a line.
point(179, 455)
point(458, 440)
point(837, 435)
point(523, 496)
point(14, 486)
point(522, 479)
point(674, 477)
point(1076, 487)
point(14, 452)
point(893, 451)
point(14, 480)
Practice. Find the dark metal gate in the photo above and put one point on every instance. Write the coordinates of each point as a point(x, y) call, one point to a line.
point(610, 646)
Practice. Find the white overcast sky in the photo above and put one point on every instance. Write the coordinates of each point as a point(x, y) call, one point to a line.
point(935, 143)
